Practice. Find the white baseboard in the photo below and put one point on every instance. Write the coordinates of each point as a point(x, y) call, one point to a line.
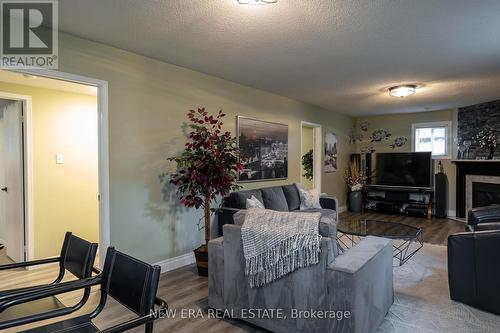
point(459, 219)
point(342, 209)
point(176, 262)
point(452, 213)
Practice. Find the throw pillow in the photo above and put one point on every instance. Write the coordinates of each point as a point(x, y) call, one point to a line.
point(309, 199)
point(253, 202)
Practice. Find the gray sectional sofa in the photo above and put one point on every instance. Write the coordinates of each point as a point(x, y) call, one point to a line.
point(353, 290)
point(282, 198)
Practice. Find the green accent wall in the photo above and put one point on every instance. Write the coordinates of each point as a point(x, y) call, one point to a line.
point(148, 102)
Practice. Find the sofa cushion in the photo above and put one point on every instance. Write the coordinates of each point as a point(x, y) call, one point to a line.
point(274, 198)
point(239, 199)
point(324, 212)
point(327, 224)
point(292, 196)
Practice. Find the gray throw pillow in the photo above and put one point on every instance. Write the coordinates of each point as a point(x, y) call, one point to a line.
point(292, 196)
point(274, 198)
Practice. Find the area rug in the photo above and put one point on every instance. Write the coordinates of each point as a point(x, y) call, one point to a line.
point(422, 301)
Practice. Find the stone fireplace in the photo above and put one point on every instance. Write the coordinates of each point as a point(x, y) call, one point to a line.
point(481, 191)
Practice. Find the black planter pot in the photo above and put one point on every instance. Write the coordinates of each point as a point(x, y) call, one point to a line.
point(355, 201)
point(201, 255)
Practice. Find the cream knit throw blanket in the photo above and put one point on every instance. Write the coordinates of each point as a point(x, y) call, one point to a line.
point(277, 243)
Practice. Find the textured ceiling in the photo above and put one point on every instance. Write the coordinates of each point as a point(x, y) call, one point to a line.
point(341, 55)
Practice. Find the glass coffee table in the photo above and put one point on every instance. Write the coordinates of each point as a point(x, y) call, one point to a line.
point(408, 240)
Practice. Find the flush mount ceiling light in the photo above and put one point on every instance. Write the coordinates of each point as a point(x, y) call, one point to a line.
point(403, 91)
point(29, 76)
point(256, 2)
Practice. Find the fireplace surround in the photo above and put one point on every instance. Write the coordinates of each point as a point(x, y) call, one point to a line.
point(481, 191)
point(473, 171)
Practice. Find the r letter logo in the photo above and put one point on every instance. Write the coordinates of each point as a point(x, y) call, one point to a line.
point(29, 36)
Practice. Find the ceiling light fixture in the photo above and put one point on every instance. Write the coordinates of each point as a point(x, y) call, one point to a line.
point(256, 2)
point(29, 76)
point(403, 91)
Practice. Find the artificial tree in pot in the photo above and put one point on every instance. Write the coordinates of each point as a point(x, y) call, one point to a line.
point(208, 167)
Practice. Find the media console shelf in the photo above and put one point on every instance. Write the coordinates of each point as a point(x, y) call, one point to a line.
point(407, 201)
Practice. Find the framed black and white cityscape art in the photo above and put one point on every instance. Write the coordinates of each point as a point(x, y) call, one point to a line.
point(330, 152)
point(263, 149)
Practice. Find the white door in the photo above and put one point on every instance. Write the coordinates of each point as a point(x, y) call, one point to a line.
point(12, 187)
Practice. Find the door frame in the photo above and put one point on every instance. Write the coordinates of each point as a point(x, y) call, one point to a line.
point(27, 218)
point(103, 157)
point(317, 152)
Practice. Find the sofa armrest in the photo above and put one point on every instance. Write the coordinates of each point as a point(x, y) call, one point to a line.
point(216, 272)
point(362, 278)
point(225, 216)
point(330, 202)
point(461, 275)
point(487, 214)
point(474, 270)
point(370, 249)
point(488, 226)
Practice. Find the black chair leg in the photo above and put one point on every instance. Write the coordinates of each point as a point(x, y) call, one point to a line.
point(149, 328)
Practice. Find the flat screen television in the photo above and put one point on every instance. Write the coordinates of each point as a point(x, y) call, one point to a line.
point(403, 170)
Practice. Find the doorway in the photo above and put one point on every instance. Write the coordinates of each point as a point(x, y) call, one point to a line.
point(310, 162)
point(12, 180)
point(58, 152)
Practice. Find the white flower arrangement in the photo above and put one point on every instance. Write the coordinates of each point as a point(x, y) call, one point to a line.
point(487, 138)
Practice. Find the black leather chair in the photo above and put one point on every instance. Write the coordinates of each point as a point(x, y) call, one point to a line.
point(129, 281)
point(483, 218)
point(77, 257)
point(473, 261)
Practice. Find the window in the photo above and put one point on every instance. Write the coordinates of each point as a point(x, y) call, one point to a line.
point(433, 137)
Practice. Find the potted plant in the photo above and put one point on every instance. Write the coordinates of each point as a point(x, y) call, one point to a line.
point(208, 167)
point(487, 139)
point(307, 165)
point(356, 181)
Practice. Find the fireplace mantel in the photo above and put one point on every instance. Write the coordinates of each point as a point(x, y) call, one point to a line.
point(475, 161)
point(472, 167)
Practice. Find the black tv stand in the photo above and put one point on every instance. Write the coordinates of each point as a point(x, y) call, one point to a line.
point(399, 200)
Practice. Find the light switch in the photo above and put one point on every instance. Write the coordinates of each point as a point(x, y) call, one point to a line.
point(59, 159)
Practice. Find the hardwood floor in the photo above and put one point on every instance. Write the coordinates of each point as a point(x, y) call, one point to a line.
point(3, 257)
point(184, 289)
point(435, 230)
